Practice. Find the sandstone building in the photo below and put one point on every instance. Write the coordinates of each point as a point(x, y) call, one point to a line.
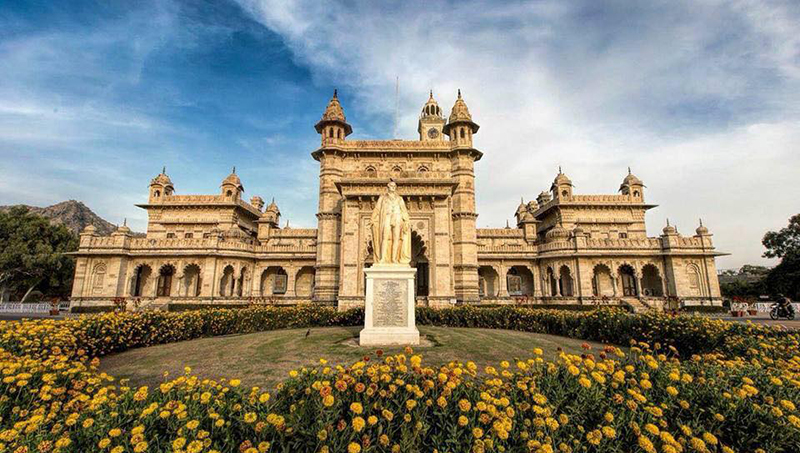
point(566, 248)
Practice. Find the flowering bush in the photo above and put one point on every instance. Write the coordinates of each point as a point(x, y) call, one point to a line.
point(743, 396)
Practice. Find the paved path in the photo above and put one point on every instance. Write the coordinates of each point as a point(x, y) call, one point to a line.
point(765, 319)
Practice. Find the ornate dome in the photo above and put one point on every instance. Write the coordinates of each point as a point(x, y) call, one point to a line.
point(233, 179)
point(460, 114)
point(235, 232)
point(631, 180)
point(701, 230)
point(273, 207)
point(431, 108)
point(162, 178)
point(90, 229)
point(334, 113)
point(557, 232)
point(460, 111)
point(669, 229)
point(561, 179)
point(578, 231)
point(124, 227)
point(522, 207)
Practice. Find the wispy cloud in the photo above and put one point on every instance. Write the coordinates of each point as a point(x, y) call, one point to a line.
point(700, 98)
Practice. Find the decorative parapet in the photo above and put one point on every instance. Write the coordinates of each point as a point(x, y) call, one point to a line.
point(201, 200)
point(123, 245)
point(294, 233)
point(500, 233)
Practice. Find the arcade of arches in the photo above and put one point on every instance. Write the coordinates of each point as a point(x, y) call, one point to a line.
point(563, 247)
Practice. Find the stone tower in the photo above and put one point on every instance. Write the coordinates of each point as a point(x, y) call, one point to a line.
point(160, 186)
point(334, 129)
point(460, 128)
point(431, 122)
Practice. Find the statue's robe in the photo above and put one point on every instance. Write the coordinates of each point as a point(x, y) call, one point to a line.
point(381, 215)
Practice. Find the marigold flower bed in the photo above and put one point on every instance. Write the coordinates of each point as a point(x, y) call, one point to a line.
point(687, 384)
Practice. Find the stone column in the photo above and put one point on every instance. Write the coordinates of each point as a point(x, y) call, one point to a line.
point(291, 275)
point(440, 266)
point(503, 273)
point(350, 255)
point(328, 228)
point(465, 242)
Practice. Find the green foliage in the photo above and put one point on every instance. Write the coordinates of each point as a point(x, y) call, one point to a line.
point(785, 244)
point(32, 253)
point(785, 241)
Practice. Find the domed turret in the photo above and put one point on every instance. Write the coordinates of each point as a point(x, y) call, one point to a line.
point(90, 230)
point(558, 232)
point(333, 124)
point(669, 229)
point(431, 122)
point(272, 215)
point(544, 197)
point(460, 126)
point(701, 230)
point(123, 229)
point(232, 186)
point(632, 186)
point(522, 207)
point(562, 186)
point(160, 186)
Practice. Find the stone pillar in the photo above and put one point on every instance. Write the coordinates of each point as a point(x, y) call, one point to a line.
point(291, 276)
point(502, 272)
point(440, 266)
point(328, 228)
point(537, 281)
point(350, 255)
point(465, 242)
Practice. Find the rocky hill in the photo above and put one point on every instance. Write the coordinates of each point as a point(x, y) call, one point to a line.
point(73, 214)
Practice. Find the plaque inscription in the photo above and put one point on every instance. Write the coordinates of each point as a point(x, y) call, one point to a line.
point(390, 305)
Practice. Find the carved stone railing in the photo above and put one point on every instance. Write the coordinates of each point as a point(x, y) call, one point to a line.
point(633, 243)
point(500, 232)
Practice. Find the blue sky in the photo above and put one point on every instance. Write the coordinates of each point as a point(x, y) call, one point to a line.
point(701, 99)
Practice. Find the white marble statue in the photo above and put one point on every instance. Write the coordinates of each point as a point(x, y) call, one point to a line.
point(391, 229)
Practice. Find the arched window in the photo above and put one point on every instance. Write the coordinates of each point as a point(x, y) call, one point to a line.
point(339, 134)
point(98, 278)
point(628, 280)
point(635, 193)
point(164, 286)
point(462, 132)
point(229, 193)
point(564, 193)
point(157, 193)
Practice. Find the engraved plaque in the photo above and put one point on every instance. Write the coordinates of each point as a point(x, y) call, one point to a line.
point(390, 305)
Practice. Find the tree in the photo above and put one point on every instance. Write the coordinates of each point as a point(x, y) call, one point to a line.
point(784, 244)
point(33, 254)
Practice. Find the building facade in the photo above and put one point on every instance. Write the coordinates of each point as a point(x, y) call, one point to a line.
point(566, 248)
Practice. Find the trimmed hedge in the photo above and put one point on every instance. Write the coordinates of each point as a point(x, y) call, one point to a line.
point(705, 309)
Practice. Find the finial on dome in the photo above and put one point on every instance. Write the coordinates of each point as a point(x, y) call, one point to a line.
point(125, 221)
point(234, 170)
point(164, 170)
point(667, 221)
point(459, 93)
point(431, 94)
point(701, 222)
point(335, 93)
point(629, 170)
point(508, 227)
point(559, 169)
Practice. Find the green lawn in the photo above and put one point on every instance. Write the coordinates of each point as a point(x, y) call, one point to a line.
point(265, 358)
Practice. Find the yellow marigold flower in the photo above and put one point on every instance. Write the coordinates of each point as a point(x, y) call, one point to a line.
point(573, 370)
point(646, 445)
point(608, 417)
point(356, 408)
point(672, 391)
point(353, 448)
point(358, 424)
point(668, 449)
point(538, 351)
point(563, 419)
point(249, 417)
point(178, 443)
point(462, 421)
point(464, 405)
point(140, 447)
point(387, 414)
point(118, 449)
point(609, 432)
point(192, 424)
point(652, 429)
point(411, 404)
point(719, 417)
point(477, 433)
point(710, 438)
point(293, 374)
point(263, 447)
point(328, 400)
point(322, 435)
point(788, 405)
point(441, 401)
point(263, 398)
point(116, 432)
point(88, 423)
point(697, 444)
point(583, 381)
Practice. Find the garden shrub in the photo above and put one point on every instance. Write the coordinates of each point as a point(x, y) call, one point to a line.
point(687, 383)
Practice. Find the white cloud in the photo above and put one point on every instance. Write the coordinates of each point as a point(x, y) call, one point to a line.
point(700, 99)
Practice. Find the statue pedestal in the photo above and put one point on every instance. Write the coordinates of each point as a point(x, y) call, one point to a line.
point(389, 313)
